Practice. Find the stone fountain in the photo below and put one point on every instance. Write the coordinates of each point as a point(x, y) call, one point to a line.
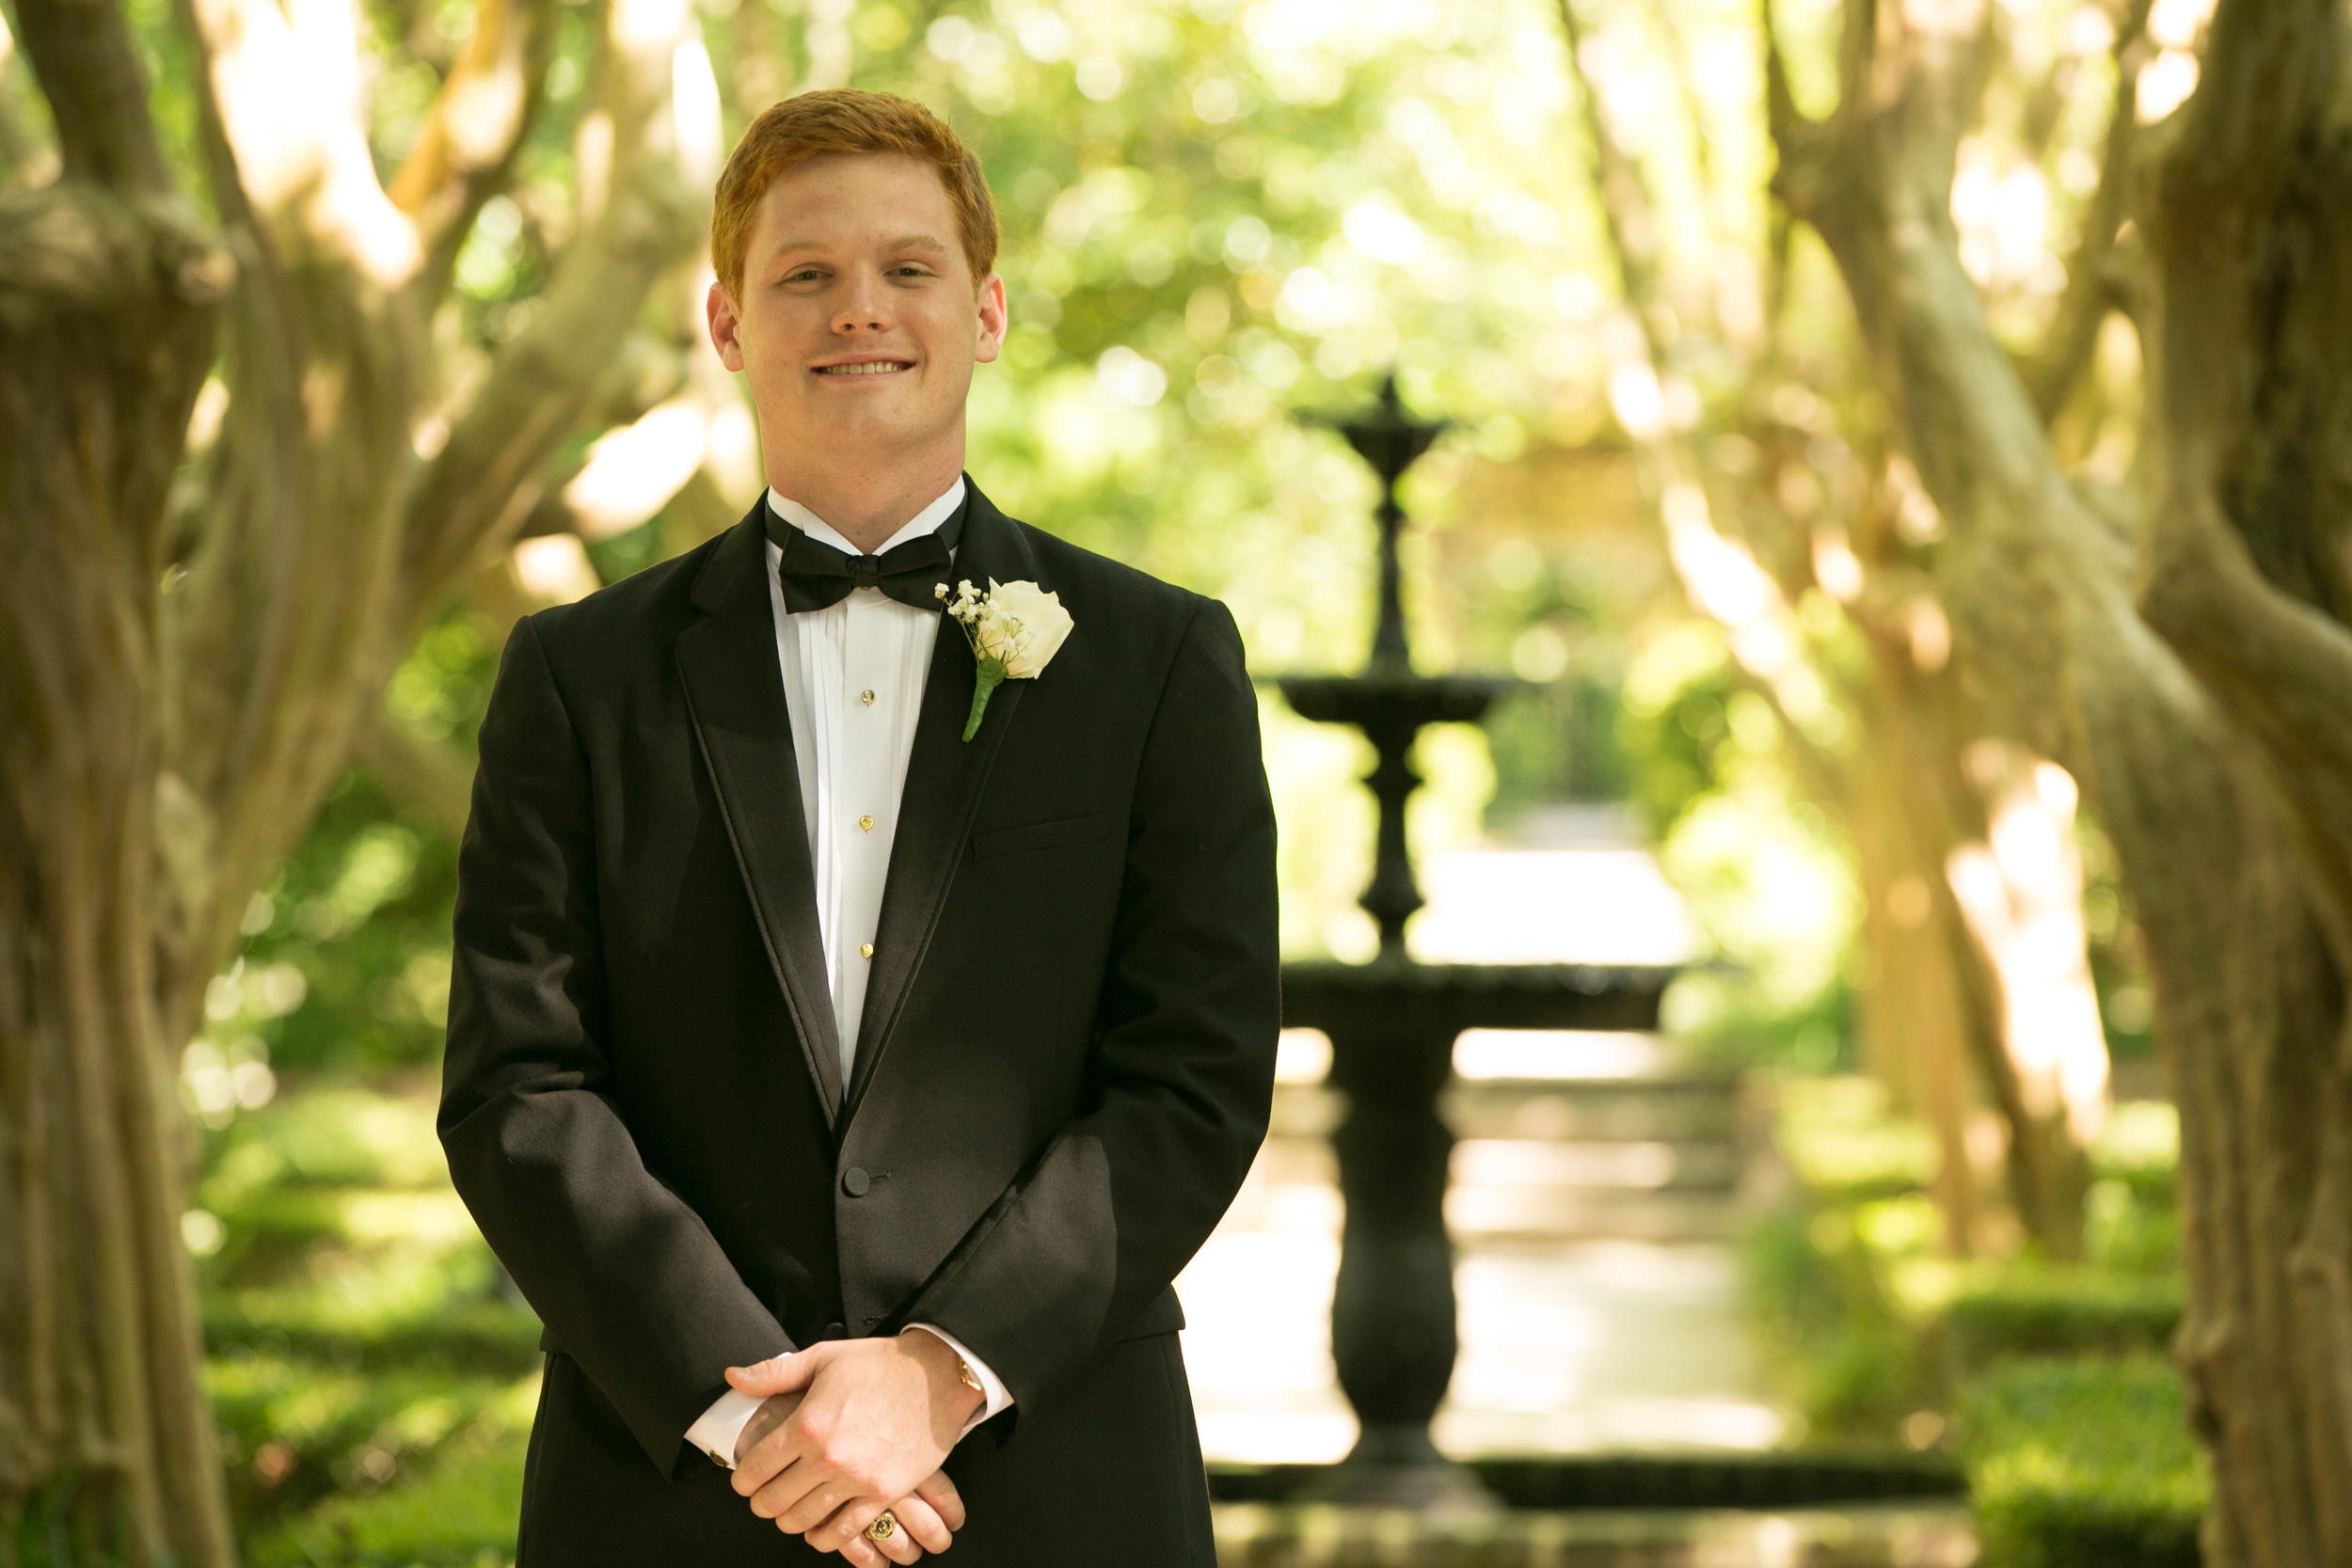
point(1392, 1024)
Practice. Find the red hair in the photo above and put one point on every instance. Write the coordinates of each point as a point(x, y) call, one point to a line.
point(845, 119)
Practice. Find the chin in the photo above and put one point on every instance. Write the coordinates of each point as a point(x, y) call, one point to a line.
point(878, 426)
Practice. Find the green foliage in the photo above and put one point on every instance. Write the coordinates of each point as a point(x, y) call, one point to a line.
point(2139, 1149)
point(1875, 1332)
point(1558, 741)
point(627, 553)
point(1847, 1352)
point(1550, 613)
point(2085, 1463)
point(1678, 726)
point(1844, 1145)
point(1844, 1357)
point(69, 1520)
point(440, 689)
point(358, 1327)
point(1768, 876)
point(347, 967)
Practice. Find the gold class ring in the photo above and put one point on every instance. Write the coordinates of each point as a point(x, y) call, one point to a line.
point(883, 1528)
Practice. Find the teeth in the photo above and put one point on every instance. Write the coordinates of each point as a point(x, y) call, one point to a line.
point(879, 366)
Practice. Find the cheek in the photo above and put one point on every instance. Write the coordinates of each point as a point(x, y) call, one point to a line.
point(952, 336)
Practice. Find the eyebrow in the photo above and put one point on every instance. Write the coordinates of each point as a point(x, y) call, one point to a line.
point(904, 241)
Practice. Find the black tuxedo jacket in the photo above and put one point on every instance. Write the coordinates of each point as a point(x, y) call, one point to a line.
point(1063, 1071)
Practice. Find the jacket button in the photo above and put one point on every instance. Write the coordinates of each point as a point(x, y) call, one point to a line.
point(855, 1182)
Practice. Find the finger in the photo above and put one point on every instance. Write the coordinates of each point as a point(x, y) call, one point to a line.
point(815, 1511)
point(845, 1524)
point(778, 1498)
point(920, 1520)
point(771, 1447)
point(938, 1491)
point(903, 1547)
point(787, 1373)
point(755, 1469)
point(864, 1554)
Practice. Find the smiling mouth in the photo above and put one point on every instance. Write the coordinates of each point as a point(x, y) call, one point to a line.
point(871, 367)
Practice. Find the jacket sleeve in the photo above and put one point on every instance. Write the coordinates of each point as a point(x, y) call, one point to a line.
point(629, 1281)
point(1181, 1070)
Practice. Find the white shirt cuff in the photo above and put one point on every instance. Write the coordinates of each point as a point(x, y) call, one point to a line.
point(721, 1424)
point(995, 1396)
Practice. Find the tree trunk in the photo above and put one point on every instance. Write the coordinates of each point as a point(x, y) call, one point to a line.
point(105, 1448)
point(2248, 325)
point(1922, 1017)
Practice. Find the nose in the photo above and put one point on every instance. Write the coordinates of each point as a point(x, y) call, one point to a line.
point(863, 305)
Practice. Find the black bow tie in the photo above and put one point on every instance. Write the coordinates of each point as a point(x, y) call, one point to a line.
point(816, 576)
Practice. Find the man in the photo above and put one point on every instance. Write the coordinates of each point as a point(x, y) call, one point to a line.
point(844, 1067)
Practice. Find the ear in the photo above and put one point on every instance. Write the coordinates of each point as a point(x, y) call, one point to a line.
point(993, 320)
point(718, 306)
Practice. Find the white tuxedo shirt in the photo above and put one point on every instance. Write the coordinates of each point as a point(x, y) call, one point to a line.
point(854, 677)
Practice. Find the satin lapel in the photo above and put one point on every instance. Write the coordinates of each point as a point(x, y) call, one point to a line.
point(735, 696)
point(945, 773)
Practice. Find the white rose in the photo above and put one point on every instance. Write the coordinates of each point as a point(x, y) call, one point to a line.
point(1026, 630)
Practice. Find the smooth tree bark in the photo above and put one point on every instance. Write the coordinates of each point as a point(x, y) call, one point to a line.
point(2190, 664)
point(193, 644)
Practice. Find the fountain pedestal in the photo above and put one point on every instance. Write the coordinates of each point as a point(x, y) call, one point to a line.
point(1392, 1024)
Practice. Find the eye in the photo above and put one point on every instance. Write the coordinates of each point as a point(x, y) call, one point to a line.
point(802, 275)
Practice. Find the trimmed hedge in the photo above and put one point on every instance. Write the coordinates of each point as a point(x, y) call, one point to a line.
point(2045, 1312)
point(2084, 1464)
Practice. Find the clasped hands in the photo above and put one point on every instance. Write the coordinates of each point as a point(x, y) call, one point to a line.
point(848, 1428)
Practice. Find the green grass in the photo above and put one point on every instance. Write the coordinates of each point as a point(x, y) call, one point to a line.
point(457, 1513)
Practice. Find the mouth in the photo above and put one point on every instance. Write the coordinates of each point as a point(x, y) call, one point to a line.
point(866, 367)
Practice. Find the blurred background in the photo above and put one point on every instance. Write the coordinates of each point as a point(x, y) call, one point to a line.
point(1893, 1180)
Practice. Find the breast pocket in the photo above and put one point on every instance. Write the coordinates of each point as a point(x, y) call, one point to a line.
point(1055, 835)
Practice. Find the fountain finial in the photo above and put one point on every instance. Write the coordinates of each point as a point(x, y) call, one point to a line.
point(1390, 440)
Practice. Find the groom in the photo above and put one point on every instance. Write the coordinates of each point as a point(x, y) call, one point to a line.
point(845, 1090)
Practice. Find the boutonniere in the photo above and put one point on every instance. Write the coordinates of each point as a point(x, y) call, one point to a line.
point(1015, 629)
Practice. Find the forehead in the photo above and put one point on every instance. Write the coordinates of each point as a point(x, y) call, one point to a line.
point(852, 198)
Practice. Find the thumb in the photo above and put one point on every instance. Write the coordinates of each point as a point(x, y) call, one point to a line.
point(779, 1374)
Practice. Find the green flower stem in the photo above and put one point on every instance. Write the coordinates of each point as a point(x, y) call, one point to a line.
point(991, 675)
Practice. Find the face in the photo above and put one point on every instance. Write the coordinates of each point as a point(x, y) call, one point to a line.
point(859, 321)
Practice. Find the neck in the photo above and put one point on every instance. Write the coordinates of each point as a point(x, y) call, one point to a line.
point(869, 501)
